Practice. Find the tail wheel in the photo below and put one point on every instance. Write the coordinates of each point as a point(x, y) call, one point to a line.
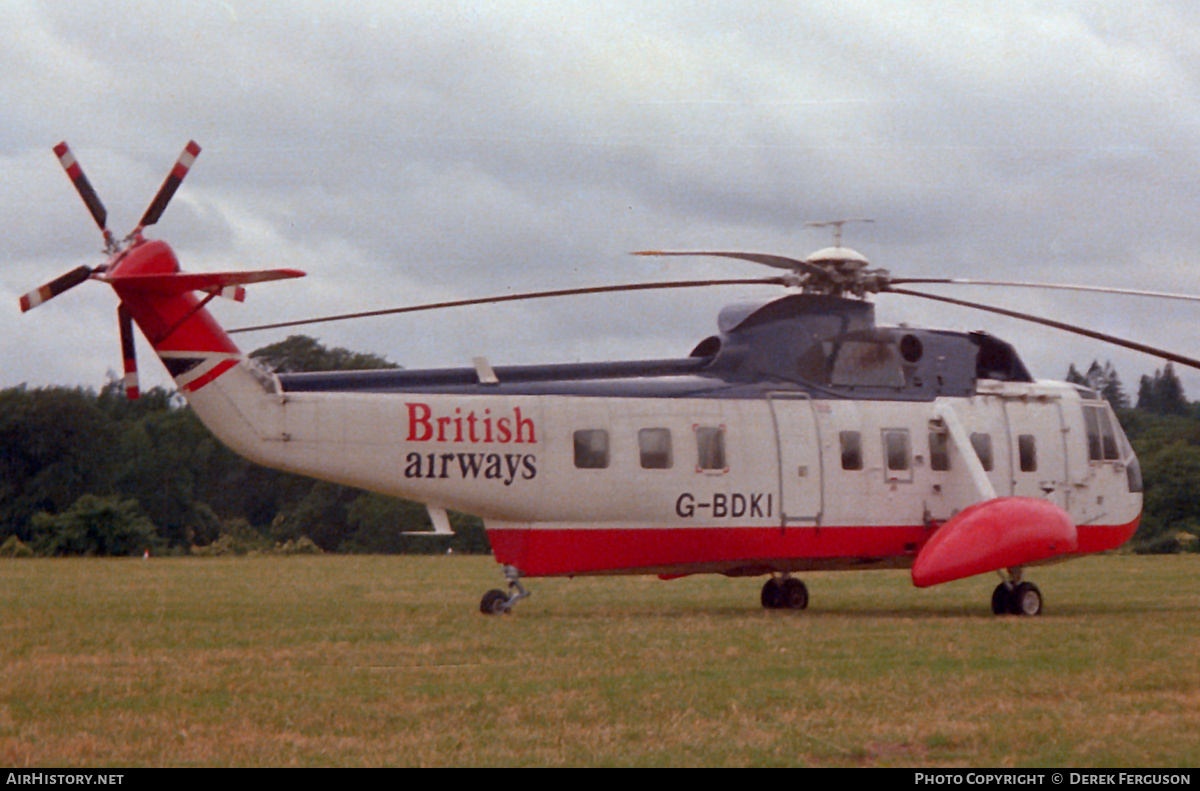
point(493, 602)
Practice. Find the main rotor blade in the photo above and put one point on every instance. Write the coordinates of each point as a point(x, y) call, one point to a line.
point(84, 187)
point(777, 261)
point(962, 281)
point(566, 292)
point(55, 287)
point(172, 182)
point(1100, 336)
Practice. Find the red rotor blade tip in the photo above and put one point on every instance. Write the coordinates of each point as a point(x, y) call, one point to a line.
point(82, 185)
point(55, 287)
point(167, 190)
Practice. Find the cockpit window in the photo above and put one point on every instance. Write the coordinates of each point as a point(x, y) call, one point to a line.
point(1107, 437)
point(1091, 422)
point(1101, 436)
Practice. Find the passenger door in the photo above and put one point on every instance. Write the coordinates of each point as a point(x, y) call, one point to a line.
point(799, 452)
point(1038, 450)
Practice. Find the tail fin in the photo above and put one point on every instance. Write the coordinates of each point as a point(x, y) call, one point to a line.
point(167, 306)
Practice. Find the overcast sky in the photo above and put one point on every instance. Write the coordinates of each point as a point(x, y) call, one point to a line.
point(405, 152)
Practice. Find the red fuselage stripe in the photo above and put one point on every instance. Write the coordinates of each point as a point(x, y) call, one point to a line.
point(567, 551)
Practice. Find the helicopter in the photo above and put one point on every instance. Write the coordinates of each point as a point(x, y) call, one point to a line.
point(802, 436)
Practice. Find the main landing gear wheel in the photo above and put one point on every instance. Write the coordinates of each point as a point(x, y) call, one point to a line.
point(1001, 599)
point(1026, 600)
point(1023, 599)
point(786, 593)
point(496, 601)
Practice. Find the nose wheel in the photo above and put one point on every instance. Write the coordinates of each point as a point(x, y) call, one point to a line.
point(1012, 597)
point(784, 593)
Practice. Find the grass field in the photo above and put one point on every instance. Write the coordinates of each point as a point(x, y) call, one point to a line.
point(353, 661)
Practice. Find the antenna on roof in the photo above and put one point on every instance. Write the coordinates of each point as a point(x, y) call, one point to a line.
point(837, 227)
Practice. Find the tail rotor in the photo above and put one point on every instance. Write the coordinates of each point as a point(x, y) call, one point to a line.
point(95, 207)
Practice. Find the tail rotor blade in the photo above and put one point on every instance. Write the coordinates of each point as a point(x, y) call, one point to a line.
point(167, 190)
point(128, 353)
point(55, 287)
point(75, 172)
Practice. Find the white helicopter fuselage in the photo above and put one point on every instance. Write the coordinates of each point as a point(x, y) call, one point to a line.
point(591, 485)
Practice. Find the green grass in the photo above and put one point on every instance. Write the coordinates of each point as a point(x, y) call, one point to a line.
point(366, 661)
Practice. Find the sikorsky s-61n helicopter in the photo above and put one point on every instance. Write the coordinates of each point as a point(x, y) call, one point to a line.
point(802, 436)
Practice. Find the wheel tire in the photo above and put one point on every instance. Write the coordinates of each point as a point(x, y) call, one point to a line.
point(795, 594)
point(772, 594)
point(493, 601)
point(1002, 600)
point(1026, 600)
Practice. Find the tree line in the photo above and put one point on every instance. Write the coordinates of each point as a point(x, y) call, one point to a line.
point(92, 473)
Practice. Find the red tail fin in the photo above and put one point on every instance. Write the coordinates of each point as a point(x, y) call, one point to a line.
point(168, 306)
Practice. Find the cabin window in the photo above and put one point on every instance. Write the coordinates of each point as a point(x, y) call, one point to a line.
point(939, 451)
point(895, 443)
point(982, 443)
point(591, 449)
point(1027, 450)
point(851, 450)
point(710, 448)
point(897, 453)
point(655, 447)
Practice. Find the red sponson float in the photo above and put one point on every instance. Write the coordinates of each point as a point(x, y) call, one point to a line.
point(996, 534)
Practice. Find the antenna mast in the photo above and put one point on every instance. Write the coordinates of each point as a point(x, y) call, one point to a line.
point(837, 227)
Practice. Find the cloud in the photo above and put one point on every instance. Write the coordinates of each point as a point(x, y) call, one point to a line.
point(405, 152)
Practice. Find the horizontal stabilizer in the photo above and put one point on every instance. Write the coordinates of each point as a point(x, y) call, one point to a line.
point(441, 524)
point(1002, 533)
point(178, 282)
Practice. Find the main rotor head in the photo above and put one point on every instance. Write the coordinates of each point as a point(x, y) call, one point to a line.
point(836, 271)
